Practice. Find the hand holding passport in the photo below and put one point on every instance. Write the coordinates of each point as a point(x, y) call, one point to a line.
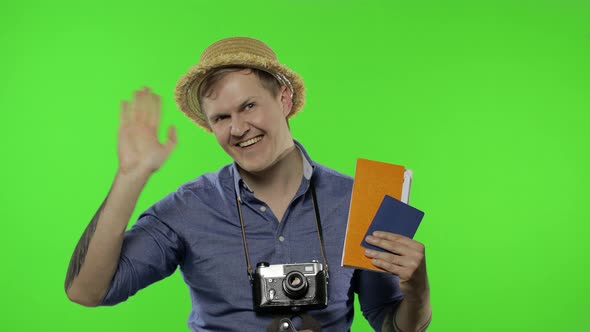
point(377, 204)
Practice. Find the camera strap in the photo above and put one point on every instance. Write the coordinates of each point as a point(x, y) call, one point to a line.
point(318, 225)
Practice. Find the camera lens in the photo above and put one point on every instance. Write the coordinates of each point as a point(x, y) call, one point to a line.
point(295, 285)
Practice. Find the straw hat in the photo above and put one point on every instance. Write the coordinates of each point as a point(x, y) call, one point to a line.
point(238, 52)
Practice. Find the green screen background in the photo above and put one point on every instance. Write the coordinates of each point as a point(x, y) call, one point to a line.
point(486, 101)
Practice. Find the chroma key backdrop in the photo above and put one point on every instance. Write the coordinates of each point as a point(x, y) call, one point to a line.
point(486, 101)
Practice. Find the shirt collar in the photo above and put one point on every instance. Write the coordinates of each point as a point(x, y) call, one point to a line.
point(308, 168)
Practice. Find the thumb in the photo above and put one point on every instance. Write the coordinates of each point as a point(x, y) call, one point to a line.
point(172, 140)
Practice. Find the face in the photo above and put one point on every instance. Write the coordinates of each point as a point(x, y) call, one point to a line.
point(248, 122)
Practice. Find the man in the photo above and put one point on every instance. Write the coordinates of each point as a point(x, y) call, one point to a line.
point(244, 96)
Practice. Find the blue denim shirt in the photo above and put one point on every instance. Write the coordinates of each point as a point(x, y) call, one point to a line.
point(197, 228)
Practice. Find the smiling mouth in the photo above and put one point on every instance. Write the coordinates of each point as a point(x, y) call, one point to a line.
point(249, 142)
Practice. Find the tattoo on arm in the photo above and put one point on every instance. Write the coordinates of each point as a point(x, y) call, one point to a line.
point(79, 254)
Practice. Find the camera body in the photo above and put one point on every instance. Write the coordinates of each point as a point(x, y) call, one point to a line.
point(289, 287)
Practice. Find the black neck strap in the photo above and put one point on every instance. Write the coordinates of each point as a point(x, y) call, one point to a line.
point(318, 225)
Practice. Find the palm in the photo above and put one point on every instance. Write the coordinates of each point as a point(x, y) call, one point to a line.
point(138, 147)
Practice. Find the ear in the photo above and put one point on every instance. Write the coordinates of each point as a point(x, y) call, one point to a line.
point(286, 100)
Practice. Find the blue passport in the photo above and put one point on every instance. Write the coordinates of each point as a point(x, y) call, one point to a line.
point(395, 217)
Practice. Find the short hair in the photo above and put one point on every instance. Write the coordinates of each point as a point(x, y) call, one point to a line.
point(267, 80)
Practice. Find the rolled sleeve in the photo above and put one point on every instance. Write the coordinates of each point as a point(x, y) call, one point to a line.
point(151, 251)
point(378, 294)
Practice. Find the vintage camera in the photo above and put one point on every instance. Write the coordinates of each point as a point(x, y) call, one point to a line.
point(290, 287)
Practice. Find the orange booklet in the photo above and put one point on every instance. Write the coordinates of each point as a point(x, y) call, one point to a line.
point(372, 181)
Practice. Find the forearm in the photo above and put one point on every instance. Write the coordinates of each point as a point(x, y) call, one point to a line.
point(96, 256)
point(412, 315)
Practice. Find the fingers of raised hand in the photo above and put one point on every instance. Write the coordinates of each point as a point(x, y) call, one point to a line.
point(171, 141)
point(125, 114)
point(155, 110)
point(145, 107)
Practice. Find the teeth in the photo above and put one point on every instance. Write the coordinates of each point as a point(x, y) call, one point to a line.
point(250, 141)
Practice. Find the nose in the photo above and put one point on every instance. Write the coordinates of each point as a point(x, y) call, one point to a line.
point(239, 127)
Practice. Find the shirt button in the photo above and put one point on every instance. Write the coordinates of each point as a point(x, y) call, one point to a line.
point(263, 208)
point(281, 238)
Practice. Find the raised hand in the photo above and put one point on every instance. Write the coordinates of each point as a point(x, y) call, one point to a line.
point(95, 259)
point(139, 149)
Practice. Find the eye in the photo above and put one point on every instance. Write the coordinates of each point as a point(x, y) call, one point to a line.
point(219, 118)
point(250, 106)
